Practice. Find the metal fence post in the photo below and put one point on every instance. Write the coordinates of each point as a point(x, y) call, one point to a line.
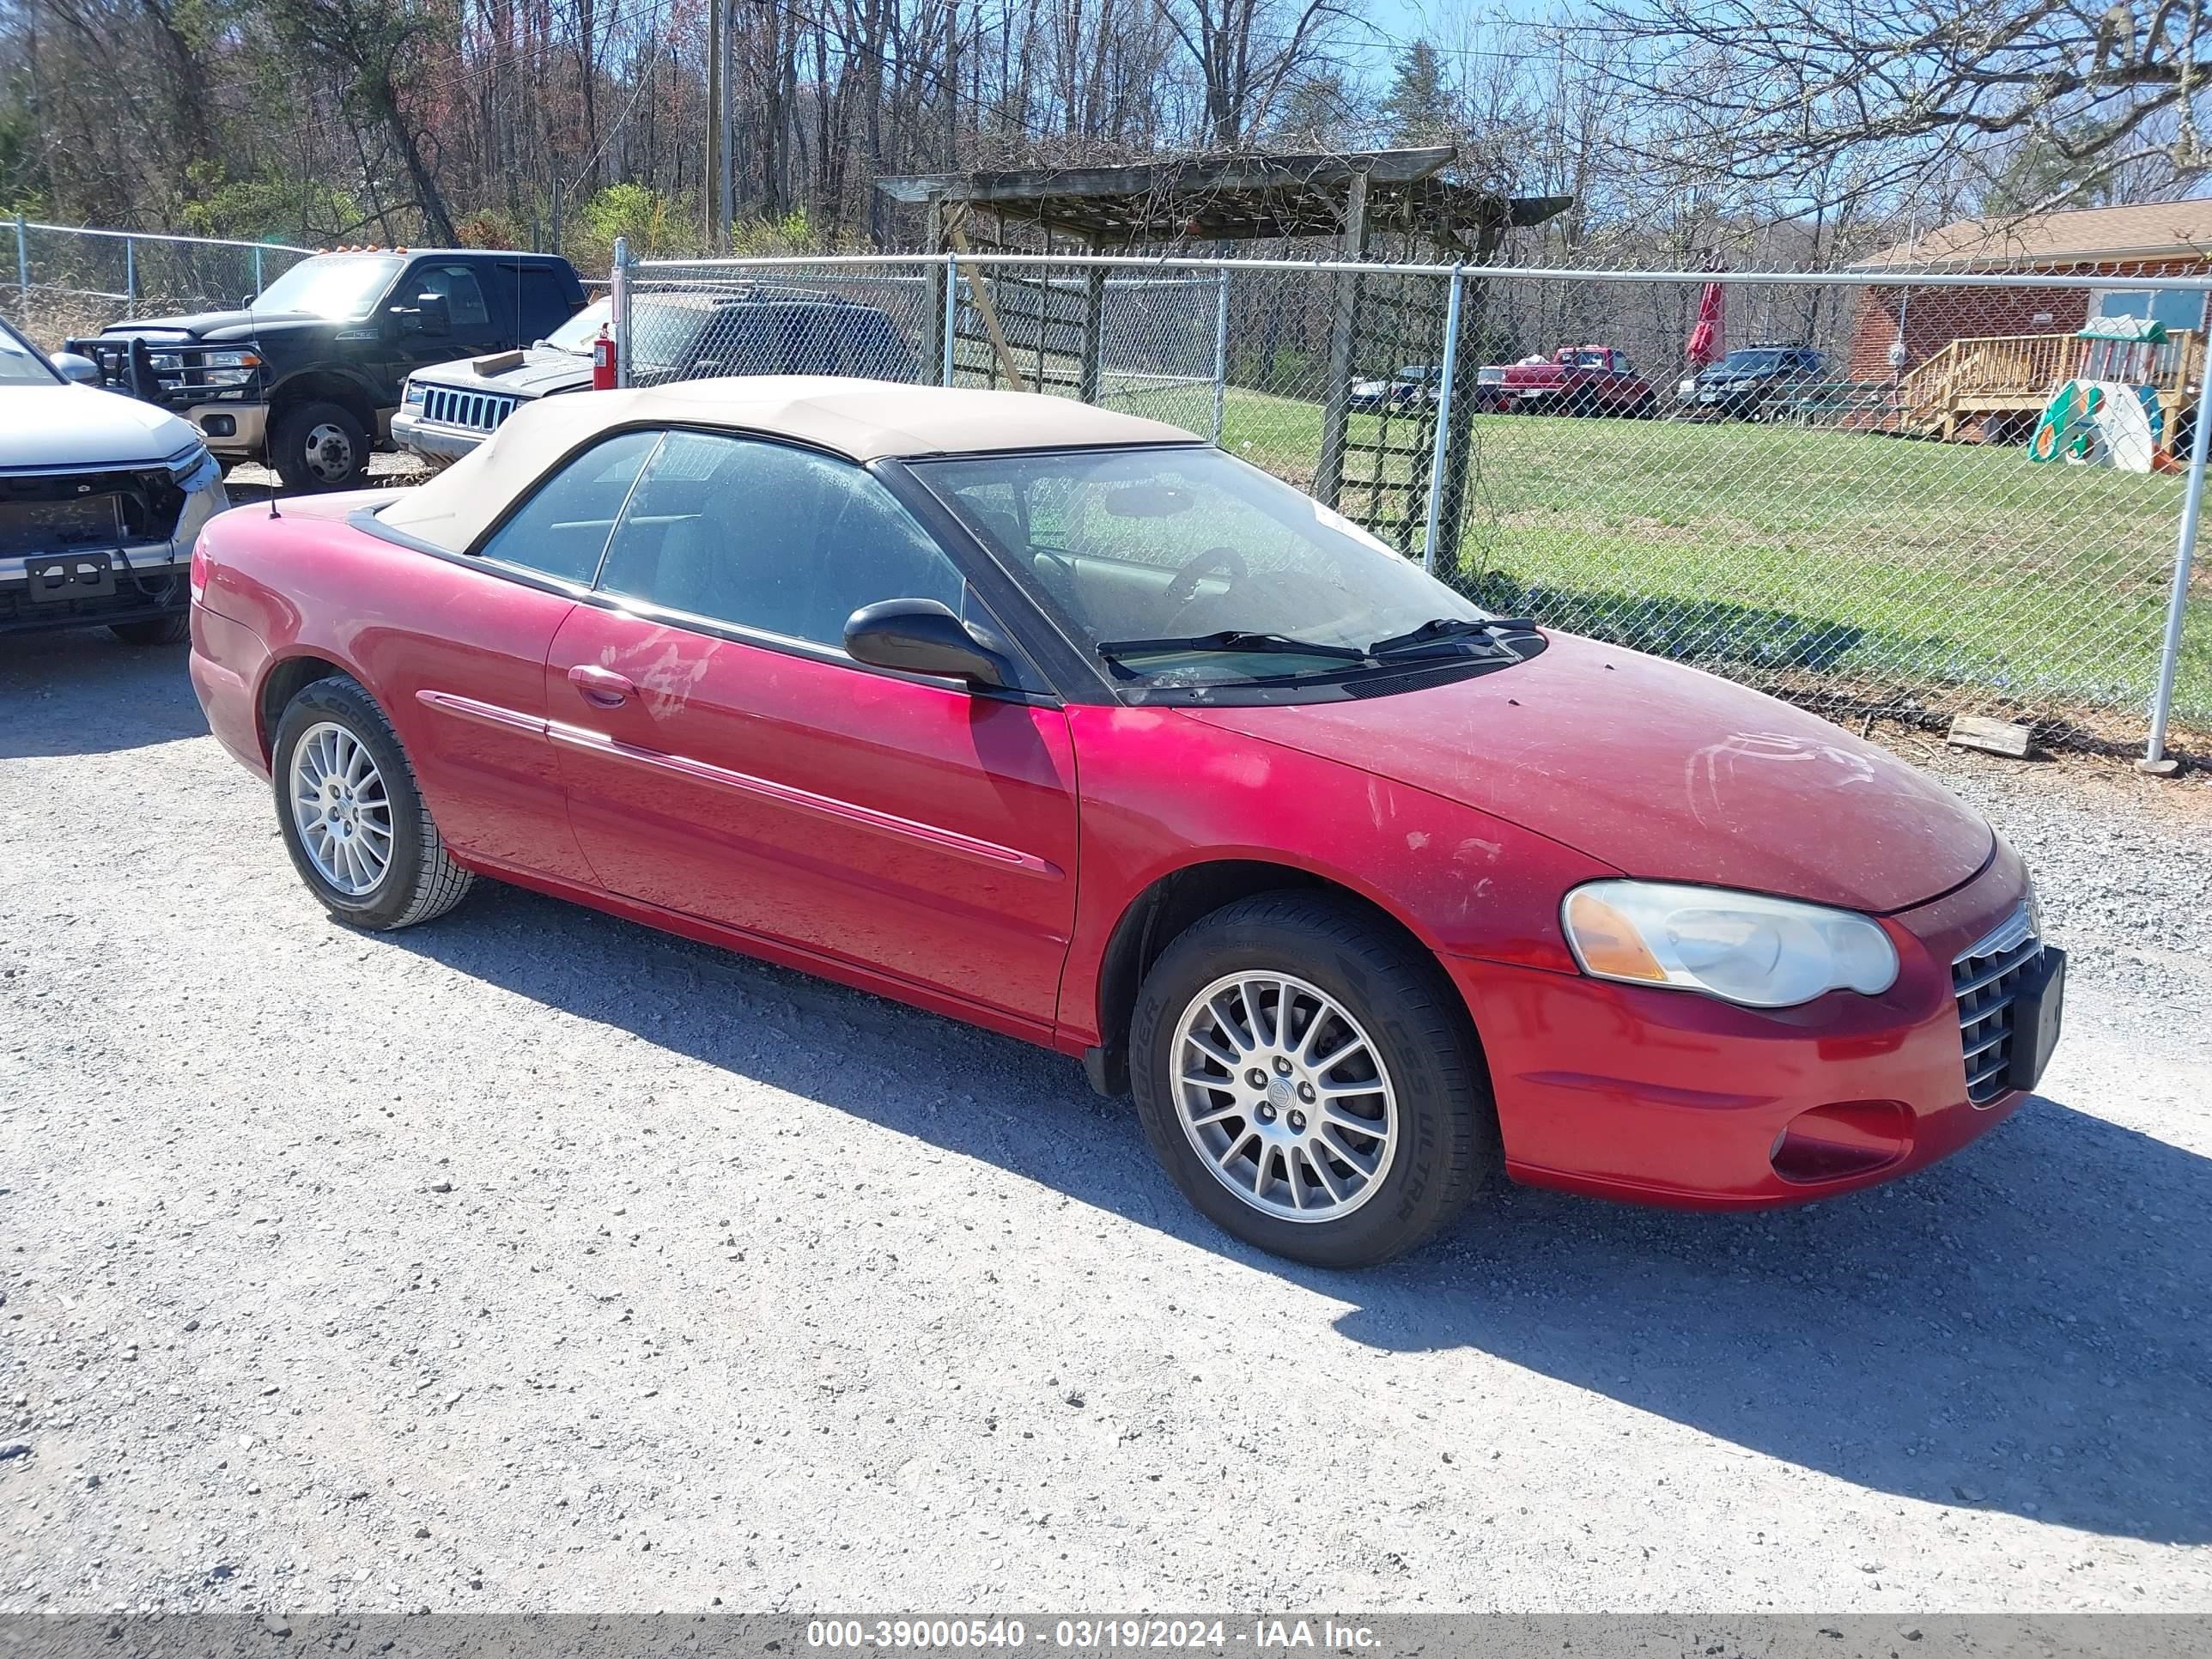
point(2184, 555)
point(1220, 349)
point(130, 277)
point(619, 291)
point(952, 310)
point(1443, 419)
point(23, 264)
point(258, 284)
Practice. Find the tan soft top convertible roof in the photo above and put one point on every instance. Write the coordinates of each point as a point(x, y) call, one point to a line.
point(862, 420)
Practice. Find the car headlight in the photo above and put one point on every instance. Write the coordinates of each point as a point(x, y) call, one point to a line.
point(194, 469)
point(412, 396)
point(229, 368)
point(1688, 388)
point(1741, 947)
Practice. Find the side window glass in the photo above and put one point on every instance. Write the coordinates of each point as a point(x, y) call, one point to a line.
point(465, 301)
point(545, 307)
point(562, 528)
point(771, 538)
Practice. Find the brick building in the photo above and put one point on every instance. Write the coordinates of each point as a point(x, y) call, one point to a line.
point(1980, 360)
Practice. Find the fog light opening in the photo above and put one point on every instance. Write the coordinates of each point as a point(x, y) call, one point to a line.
point(1843, 1140)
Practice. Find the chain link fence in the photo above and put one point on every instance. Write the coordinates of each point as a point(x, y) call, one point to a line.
point(71, 279)
point(1900, 491)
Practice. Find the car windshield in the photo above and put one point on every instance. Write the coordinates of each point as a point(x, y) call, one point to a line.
point(1584, 360)
point(577, 334)
point(1748, 362)
point(20, 363)
point(343, 287)
point(1196, 568)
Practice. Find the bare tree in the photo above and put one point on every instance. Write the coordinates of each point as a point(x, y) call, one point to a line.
point(1245, 51)
point(1786, 89)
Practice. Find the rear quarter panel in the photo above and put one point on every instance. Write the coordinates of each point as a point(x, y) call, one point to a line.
point(306, 584)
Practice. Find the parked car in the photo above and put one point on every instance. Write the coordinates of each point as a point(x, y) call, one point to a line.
point(1756, 382)
point(1064, 723)
point(307, 376)
point(449, 409)
point(1584, 379)
point(101, 498)
point(1413, 385)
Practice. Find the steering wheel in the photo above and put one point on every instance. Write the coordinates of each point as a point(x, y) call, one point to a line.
point(1183, 588)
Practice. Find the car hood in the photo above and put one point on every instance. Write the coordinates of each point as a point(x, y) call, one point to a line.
point(1660, 771)
point(543, 370)
point(225, 327)
point(55, 426)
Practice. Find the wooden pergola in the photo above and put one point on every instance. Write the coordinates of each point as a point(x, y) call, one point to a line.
point(1158, 205)
point(1201, 204)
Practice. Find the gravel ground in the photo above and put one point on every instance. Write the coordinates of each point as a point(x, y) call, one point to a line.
point(533, 1260)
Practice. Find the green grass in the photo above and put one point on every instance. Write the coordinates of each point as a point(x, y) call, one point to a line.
point(1862, 558)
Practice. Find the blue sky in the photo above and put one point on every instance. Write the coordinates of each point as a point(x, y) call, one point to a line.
point(1406, 21)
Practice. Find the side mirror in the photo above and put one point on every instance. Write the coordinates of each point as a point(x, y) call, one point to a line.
point(71, 366)
point(920, 637)
point(431, 314)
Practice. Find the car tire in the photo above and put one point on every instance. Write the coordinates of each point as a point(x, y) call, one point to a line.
point(352, 817)
point(173, 629)
point(319, 446)
point(1299, 1185)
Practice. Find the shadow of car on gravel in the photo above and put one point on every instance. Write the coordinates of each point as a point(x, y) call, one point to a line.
point(2020, 1328)
point(94, 695)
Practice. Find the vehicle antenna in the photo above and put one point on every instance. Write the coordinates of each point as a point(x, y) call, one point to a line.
point(269, 464)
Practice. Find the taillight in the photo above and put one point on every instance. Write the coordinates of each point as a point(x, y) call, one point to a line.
point(198, 578)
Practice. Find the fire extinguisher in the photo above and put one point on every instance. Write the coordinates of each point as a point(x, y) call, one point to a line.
point(603, 361)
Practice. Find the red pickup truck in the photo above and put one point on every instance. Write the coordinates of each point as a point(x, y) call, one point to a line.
point(1584, 379)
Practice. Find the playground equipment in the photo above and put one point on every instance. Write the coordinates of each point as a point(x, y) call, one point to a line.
point(2110, 414)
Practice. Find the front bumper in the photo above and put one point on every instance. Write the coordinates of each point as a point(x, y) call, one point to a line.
point(1674, 1099)
point(236, 432)
point(432, 441)
point(149, 581)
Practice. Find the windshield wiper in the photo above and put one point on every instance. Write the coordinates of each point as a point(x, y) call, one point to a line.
point(1232, 640)
point(1438, 630)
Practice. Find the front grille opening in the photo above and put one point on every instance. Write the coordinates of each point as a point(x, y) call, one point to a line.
point(479, 411)
point(62, 511)
point(1987, 980)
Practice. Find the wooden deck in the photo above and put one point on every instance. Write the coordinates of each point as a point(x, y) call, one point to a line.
point(1996, 381)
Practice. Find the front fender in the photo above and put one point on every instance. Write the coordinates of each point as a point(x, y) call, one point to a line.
point(1162, 792)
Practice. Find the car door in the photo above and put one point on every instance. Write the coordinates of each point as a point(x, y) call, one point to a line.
point(469, 329)
point(726, 759)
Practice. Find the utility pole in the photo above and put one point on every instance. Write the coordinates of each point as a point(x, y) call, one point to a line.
point(716, 220)
point(726, 123)
point(952, 86)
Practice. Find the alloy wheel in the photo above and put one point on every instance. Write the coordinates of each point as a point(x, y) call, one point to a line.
point(340, 808)
point(1285, 1097)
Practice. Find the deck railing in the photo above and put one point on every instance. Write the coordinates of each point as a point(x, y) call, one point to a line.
point(2009, 372)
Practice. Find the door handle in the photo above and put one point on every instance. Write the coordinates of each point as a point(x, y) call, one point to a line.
point(601, 686)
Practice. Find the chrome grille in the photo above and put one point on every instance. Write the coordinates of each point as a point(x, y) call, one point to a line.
point(479, 411)
point(1986, 978)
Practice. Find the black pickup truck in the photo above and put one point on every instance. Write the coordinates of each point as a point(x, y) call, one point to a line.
point(307, 374)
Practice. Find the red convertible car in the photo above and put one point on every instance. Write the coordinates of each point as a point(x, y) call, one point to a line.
point(1064, 723)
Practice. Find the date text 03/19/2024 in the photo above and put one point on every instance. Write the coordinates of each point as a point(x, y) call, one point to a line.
point(1259, 1635)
